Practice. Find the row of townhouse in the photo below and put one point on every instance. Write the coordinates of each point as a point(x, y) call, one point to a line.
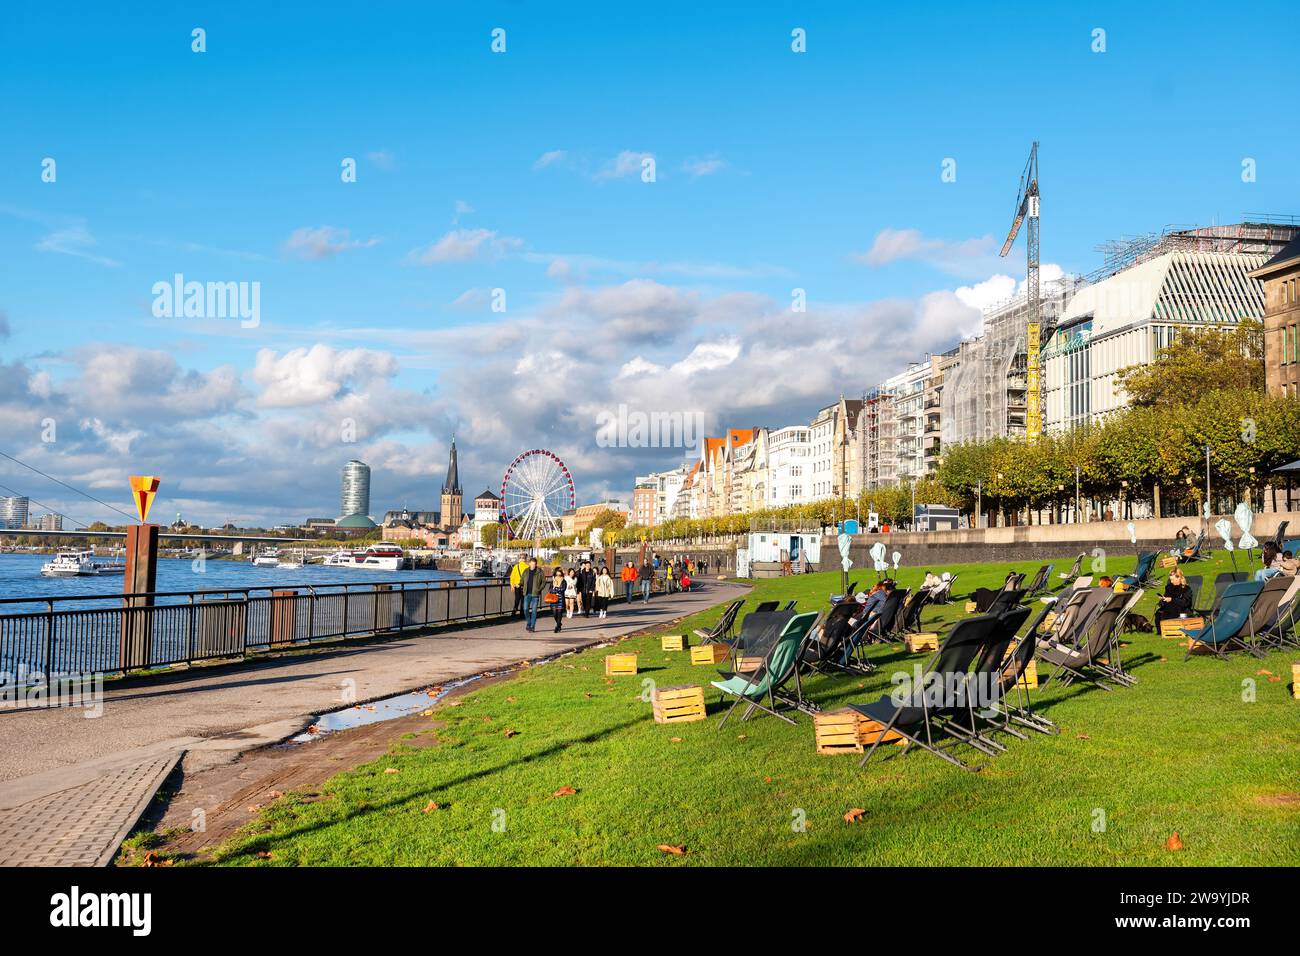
point(1150, 290)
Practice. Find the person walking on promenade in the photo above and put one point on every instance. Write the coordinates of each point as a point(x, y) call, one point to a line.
point(517, 585)
point(604, 591)
point(646, 575)
point(532, 583)
point(670, 577)
point(570, 592)
point(587, 588)
point(555, 597)
point(629, 579)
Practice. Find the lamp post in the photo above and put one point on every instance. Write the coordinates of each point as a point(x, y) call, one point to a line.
point(979, 511)
point(999, 484)
point(1123, 500)
point(1060, 493)
point(1207, 477)
point(1077, 514)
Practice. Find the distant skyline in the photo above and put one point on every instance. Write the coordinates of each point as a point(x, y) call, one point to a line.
point(501, 270)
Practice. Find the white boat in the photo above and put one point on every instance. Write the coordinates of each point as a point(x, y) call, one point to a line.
point(292, 562)
point(471, 564)
point(378, 557)
point(71, 564)
point(270, 558)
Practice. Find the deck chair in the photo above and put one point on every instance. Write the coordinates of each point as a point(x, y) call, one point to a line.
point(1280, 535)
point(1013, 668)
point(1193, 553)
point(765, 606)
point(1006, 599)
point(919, 714)
point(909, 615)
point(1068, 576)
point(1264, 612)
point(942, 593)
point(1081, 660)
point(984, 597)
point(1039, 580)
point(1142, 572)
point(1081, 583)
point(720, 633)
point(1194, 582)
point(833, 643)
point(985, 684)
point(1112, 665)
point(1281, 631)
point(1227, 630)
point(1222, 582)
point(885, 626)
point(780, 665)
point(789, 605)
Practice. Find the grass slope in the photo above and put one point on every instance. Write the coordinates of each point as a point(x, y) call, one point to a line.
point(1182, 751)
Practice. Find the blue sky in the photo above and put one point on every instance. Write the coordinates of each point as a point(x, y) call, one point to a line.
point(774, 170)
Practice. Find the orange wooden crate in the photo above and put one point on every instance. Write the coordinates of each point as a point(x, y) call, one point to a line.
point(921, 642)
point(674, 642)
point(1295, 680)
point(846, 731)
point(1176, 628)
point(746, 665)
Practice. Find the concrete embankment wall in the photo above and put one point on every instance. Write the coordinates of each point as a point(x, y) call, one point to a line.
point(937, 549)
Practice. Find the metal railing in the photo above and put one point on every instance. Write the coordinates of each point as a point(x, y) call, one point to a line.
point(144, 631)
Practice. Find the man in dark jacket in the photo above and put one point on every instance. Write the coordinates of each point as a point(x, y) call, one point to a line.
point(587, 587)
point(532, 583)
point(645, 577)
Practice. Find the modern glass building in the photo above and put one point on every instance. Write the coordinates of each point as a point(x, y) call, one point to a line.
point(355, 495)
point(14, 512)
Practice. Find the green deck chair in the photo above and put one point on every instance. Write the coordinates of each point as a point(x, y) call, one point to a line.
point(780, 664)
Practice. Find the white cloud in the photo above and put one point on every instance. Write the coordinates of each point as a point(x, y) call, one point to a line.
point(75, 241)
point(959, 257)
point(383, 159)
point(323, 242)
point(705, 166)
point(320, 374)
point(550, 158)
point(465, 245)
point(625, 164)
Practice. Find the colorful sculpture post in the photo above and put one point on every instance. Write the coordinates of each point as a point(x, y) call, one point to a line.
point(141, 576)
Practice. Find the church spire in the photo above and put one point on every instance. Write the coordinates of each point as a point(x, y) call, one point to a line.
point(452, 485)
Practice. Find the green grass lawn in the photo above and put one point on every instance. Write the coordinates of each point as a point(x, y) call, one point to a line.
point(1182, 751)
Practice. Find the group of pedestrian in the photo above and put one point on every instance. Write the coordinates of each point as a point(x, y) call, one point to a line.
point(565, 592)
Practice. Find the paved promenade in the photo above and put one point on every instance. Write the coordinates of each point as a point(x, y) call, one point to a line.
point(68, 784)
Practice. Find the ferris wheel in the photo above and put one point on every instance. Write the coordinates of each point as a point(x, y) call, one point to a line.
point(536, 490)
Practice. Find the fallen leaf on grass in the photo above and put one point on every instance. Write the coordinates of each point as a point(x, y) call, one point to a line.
point(265, 855)
point(510, 700)
point(1274, 679)
point(588, 696)
point(511, 733)
point(676, 740)
point(391, 770)
point(674, 850)
point(1174, 842)
point(742, 736)
point(1263, 673)
point(564, 792)
point(767, 779)
point(486, 719)
point(430, 807)
point(854, 815)
point(1082, 737)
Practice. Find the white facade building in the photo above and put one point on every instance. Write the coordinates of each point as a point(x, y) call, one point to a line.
point(789, 464)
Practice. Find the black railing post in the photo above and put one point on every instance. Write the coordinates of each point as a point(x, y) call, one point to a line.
point(311, 615)
point(345, 611)
point(49, 642)
point(194, 631)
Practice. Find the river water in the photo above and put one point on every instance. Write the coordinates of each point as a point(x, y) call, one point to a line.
point(20, 577)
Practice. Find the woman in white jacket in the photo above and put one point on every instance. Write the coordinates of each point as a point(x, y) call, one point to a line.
point(604, 590)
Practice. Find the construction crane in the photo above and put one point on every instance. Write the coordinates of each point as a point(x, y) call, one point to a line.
point(1027, 209)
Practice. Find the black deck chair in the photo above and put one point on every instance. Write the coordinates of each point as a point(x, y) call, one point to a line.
point(885, 626)
point(758, 629)
point(1280, 632)
point(942, 592)
point(1141, 575)
point(1006, 599)
point(984, 597)
point(832, 644)
point(910, 613)
point(915, 713)
point(1081, 660)
point(1194, 581)
point(1280, 535)
point(1021, 712)
point(720, 633)
point(1113, 663)
point(789, 605)
point(766, 606)
point(1222, 582)
point(1265, 611)
point(985, 684)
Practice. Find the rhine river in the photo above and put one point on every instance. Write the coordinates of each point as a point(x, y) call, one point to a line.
point(20, 577)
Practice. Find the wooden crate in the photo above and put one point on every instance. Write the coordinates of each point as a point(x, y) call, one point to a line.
point(1049, 620)
point(1295, 680)
point(917, 643)
point(745, 665)
point(620, 665)
point(710, 654)
point(674, 642)
point(678, 705)
point(1169, 562)
point(970, 607)
point(846, 731)
point(836, 732)
point(1176, 628)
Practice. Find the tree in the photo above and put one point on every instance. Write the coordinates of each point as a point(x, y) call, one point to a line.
point(490, 534)
point(1230, 359)
point(610, 520)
